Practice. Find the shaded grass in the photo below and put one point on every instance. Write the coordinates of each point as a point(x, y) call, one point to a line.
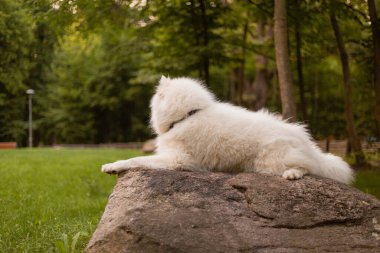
point(368, 181)
point(46, 194)
point(367, 177)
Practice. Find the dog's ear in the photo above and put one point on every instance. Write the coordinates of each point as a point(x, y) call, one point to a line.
point(164, 81)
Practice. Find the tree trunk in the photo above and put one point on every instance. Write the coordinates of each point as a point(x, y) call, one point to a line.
point(313, 121)
point(232, 85)
point(352, 135)
point(301, 83)
point(282, 61)
point(205, 58)
point(375, 25)
point(241, 68)
point(260, 84)
point(196, 34)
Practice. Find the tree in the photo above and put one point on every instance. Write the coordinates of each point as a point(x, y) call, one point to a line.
point(16, 40)
point(184, 38)
point(261, 82)
point(351, 130)
point(91, 97)
point(375, 25)
point(282, 61)
point(205, 42)
point(301, 83)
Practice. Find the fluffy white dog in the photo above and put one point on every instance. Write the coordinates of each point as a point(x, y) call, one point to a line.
point(196, 132)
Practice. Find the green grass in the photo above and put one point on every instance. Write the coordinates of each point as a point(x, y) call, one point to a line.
point(367, 178)
point(51, 198)
point(368, 181)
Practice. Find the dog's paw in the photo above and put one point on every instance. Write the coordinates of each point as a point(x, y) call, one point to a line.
point(116, 167)
point(293, 174)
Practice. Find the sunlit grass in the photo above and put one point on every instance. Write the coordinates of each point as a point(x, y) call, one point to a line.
point(47, 194)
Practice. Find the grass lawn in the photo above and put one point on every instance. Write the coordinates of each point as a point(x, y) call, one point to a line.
point(51, 200)
point(368, 181)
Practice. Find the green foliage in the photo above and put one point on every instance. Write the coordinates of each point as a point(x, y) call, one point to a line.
point(184, 36)
point(90, 89)
point(16, 34)
point(94, 64)
point(51, 200)
point(16, 39)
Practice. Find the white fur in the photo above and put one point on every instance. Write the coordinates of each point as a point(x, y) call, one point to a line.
point(226, 138)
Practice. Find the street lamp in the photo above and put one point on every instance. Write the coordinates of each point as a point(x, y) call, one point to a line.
point(30, 93)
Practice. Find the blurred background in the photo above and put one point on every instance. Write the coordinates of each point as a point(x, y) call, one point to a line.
point(93, 64)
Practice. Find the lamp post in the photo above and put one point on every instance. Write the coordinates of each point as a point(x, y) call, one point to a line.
point(30, 93)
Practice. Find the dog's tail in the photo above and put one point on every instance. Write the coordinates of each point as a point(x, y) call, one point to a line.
point(334, 167)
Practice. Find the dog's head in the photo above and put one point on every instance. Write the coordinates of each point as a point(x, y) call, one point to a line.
point(176, 98)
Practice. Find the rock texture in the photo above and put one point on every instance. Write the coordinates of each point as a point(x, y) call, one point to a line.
point(176, 211)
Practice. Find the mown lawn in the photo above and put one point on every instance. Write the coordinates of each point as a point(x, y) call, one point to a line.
point(51, 200)
point(368, 181)
point(48, 197)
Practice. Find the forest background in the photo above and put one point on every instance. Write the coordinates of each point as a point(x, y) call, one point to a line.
point(94, 63)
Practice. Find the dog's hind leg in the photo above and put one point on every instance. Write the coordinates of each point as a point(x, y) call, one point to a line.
point(284, 160)
point(297, 164)
point(294, 173)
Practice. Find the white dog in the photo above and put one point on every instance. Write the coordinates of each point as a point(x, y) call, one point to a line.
point(196, 132)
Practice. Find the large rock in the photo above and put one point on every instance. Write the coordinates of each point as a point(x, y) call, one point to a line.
point(173, 211)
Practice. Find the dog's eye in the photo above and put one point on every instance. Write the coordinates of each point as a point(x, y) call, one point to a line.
point(192, 112)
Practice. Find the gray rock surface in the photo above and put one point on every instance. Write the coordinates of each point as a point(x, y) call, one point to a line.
point(177, 211)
